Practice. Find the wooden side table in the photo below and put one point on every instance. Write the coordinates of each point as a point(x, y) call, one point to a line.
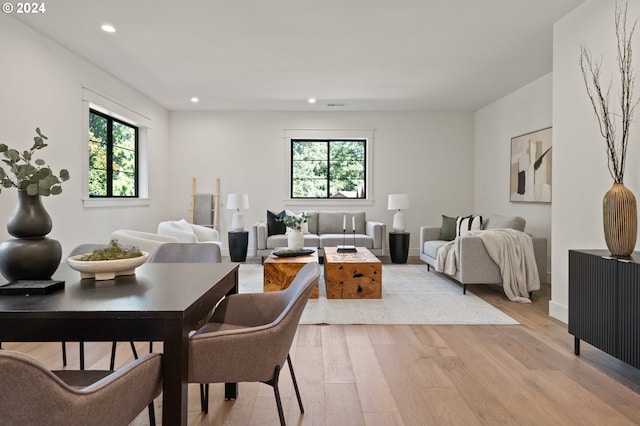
point(238, 244)
point(399, 246)
point(279, 272)
point(352, 275)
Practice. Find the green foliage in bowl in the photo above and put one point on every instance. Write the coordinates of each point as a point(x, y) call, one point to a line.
point(114, 252)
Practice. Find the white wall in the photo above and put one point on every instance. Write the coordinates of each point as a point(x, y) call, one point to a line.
point(42, 87)
point(427, 155)
point(525, 110)
point(580, 170)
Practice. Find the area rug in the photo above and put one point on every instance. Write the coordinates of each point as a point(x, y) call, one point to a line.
point(410, 295)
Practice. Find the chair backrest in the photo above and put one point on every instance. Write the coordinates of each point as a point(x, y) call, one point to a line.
point(250, 353)
point(187, 253)
point(33, 395)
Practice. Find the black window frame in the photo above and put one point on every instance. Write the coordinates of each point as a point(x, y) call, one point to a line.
point(328, 141)
point(109, 144)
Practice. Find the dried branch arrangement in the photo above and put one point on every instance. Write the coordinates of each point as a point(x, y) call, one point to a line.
point(604, 111)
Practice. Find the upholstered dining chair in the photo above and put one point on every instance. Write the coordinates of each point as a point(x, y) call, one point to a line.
point(187, 253)
point(249, 336)
point(34, 395)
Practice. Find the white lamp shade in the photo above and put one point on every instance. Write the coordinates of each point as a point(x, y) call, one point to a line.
point(398, 201)
point(237, 201)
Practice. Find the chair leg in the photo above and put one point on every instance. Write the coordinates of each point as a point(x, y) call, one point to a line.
point(81, 355)
point(152, 414)
point(295, 383)
point(204, 397)
point(133, 349)
point(274, 384)
point(114, 345)
point(64, 354)
point(276, 391)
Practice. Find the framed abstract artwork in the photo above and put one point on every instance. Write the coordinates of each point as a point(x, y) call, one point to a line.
point(531, 167)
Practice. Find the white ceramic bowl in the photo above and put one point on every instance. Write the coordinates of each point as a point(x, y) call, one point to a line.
point(106, 269)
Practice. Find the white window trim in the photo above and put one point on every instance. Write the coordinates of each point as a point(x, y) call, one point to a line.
point(94, 100)
point(336, 134)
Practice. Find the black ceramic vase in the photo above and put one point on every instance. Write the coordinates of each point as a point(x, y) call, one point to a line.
point(30, 255)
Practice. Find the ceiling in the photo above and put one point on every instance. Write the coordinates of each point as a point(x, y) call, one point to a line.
point(351, 55)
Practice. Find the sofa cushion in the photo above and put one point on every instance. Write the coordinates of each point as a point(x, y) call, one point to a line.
point(448, 228)
point(275, 227)
point(497, 222)
point(334, 240)
point(281, 240)
point(332, 222)
point(431, 247)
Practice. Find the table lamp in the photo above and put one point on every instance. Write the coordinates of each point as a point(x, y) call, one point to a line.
point(398, 202)
point(237, 202)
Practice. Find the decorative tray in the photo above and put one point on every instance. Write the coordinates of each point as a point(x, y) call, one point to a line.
point(292, 253)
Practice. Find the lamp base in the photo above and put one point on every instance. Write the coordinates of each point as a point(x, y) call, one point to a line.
point(398, 222)
point(237, 222)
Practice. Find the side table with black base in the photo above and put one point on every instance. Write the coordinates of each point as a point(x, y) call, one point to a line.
point(399, 246)
point(238, 243)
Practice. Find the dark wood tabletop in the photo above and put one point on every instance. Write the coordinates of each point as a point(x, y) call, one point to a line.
point(162, 301)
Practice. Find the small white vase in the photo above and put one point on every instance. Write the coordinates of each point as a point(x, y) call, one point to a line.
point(295, 240)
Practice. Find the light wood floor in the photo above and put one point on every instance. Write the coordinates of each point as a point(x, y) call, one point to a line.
point(424, 375)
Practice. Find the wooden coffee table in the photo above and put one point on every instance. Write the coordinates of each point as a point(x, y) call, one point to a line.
point(355, 275)
point(279, 272)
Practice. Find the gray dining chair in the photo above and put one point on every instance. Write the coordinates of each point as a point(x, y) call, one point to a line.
point(249, 336)
point(34, 395)
point(187, 253)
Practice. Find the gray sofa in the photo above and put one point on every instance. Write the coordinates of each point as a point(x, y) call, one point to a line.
point(325, 230)
point(474, 264)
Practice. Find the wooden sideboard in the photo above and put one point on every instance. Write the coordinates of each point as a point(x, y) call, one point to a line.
point(604, 303)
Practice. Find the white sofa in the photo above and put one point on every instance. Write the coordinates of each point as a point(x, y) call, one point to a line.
point(325, 230)
point(171, 231)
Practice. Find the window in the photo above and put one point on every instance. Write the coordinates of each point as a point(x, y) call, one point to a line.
point(113, 157)
point(328, 168)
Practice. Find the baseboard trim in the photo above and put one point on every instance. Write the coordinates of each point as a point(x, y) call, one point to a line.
point(559, 312)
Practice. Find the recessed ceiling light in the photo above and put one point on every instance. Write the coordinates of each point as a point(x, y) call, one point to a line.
point(108, 28)
point(195, 100)
point(312, 100)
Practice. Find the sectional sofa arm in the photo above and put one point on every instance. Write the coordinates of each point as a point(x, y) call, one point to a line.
point(378, 231)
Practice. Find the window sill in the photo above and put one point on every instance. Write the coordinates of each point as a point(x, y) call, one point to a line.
point(114, 202)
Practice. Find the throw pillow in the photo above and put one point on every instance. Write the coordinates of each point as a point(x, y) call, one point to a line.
point(188, 235)
point(448, 228)
point(275, 227)
point(304, 226)
point(466, 224)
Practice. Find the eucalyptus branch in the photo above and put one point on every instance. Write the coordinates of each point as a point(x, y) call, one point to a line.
point(600, 101)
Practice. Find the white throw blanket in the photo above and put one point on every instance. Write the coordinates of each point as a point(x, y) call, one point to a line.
point(512, 251)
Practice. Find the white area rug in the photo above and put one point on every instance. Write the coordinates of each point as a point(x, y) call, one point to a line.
point(410, 295)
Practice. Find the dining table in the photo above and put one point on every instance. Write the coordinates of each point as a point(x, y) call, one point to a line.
point(161, 302)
